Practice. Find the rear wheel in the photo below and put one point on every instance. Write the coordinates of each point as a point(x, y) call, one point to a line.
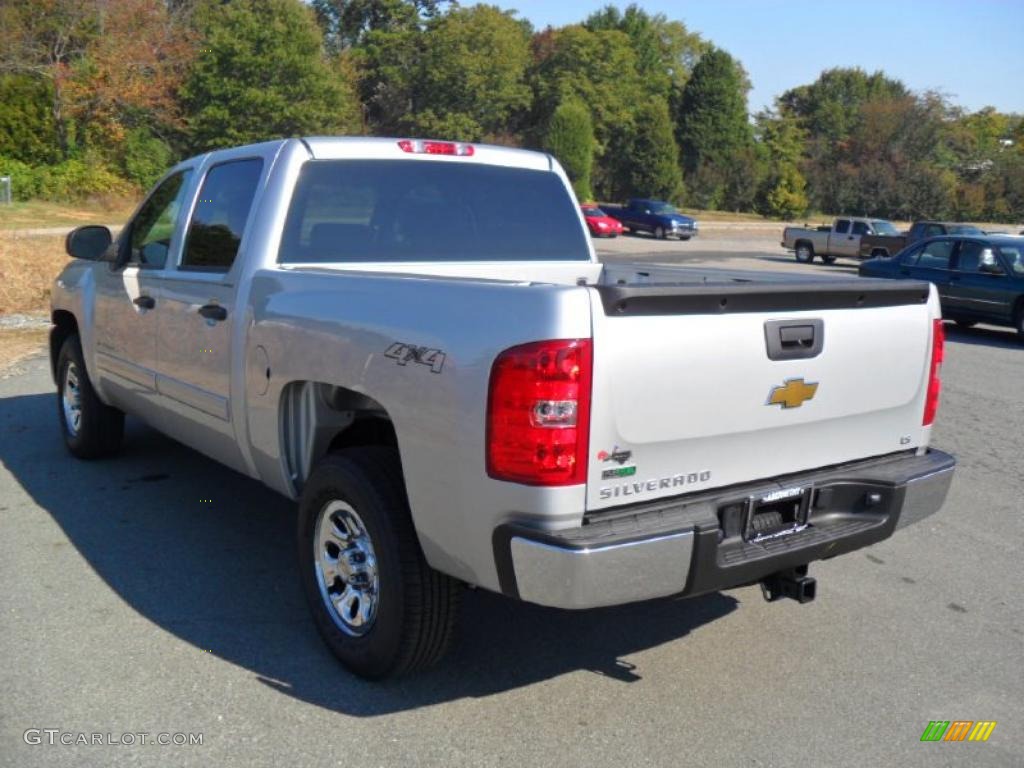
point(804, 253)
point(91, 429)
point(659, 233)
point(379, 607)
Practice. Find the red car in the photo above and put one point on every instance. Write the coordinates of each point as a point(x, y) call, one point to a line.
point(599, 223)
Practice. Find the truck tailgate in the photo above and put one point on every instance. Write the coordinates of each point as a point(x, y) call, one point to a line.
point(687, 395)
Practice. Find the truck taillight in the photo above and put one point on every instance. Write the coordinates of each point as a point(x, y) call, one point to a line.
point(538, 413)
point(931, 403)
point(420, 147)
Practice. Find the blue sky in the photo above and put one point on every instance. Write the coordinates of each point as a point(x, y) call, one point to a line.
point(972, 50)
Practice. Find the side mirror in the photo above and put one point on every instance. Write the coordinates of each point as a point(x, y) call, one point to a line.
point(89, 243)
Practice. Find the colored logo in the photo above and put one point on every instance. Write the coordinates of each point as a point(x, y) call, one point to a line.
point(792, 394)
point(619, 457)
point(958, 730)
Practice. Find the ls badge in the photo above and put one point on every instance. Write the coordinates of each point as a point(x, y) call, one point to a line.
point(792, 394)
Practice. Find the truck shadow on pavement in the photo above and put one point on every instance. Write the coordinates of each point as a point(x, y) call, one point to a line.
point(208, 555)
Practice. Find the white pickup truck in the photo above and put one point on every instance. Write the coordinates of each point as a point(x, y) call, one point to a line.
point(415, 340)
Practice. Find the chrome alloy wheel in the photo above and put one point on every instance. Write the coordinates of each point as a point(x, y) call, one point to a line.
point(346, 568)
point(71, 400)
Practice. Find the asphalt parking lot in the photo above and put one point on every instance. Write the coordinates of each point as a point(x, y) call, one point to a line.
point(130, 606)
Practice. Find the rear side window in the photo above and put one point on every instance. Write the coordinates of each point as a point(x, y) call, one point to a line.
point(218, 221)
point(842, 227)
point(428, 210)
point(935, 255)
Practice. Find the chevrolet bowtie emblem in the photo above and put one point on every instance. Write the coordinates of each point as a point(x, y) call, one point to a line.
point(792, 394)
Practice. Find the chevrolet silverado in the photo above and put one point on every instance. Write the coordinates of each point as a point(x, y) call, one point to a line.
point(843, 238)
point(415, 341)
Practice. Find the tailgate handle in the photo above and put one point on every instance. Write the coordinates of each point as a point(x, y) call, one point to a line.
point(794, 339)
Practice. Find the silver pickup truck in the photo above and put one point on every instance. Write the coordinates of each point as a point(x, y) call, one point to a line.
point(415, 341)
point(829, 243)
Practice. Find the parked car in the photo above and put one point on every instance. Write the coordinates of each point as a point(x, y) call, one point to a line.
point(600, 223)
point(979, 278)
point(829, 243)
point(657, 217)
point(414, 339)
point(883, 244)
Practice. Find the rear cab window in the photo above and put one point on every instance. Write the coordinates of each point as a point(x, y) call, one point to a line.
point(220, 214)
point(429, 211)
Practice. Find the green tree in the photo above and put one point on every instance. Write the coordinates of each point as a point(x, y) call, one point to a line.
point(651, 158)
point(570, 138)
point(712, 114)
point(787, 198)
point(27, 129)
point(347, 23)
point(261, 74)
point(471, 78)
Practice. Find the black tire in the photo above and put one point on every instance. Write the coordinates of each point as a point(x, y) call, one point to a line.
point(417, 607)
point(828, 259)
point(804, 253)
point(100, 427)
point(659, 233)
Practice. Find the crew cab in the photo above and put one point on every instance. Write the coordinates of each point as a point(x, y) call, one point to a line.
point(657, 217)
point(873, 246)
point(415, 340)
point(828, 243)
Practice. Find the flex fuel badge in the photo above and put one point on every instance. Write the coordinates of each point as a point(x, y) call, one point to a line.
point(616, 456)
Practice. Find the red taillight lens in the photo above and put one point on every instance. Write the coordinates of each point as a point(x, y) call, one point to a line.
point(538, 413)
point(417, 146)
point(931, 403)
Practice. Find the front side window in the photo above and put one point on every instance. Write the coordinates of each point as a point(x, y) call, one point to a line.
point(860, 228)
point(153, 226)
point(842, 227)
point(664, 209)
point(1014, 256)
point(429, 210)
point(933, 230)
point(218, 220)
point(935, 255)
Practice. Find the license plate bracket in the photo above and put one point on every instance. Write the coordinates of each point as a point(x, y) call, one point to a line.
point(779, 513)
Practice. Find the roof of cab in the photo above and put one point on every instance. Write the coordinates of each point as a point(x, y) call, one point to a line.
point(372, 148)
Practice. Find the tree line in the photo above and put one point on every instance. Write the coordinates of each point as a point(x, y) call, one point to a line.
point(101, 96)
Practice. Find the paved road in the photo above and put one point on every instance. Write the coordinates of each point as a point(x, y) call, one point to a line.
point(128, 605)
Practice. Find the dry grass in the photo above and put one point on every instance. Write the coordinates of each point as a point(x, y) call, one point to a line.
point(17, 344)
point(35, 214)
point(28, 266)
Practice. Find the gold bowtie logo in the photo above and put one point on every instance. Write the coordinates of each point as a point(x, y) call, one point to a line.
point(792, 394)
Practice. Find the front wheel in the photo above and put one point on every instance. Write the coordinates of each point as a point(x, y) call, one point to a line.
point(381, 609)
point(659, 233)
point(91, 429)
point(804, 253)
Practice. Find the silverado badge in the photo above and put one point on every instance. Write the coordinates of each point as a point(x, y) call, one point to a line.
point(792, 394)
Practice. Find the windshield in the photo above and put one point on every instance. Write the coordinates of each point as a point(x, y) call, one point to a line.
point(883, 227)
point(593, 212)
point(964, 229)
point(429, 210)
point(663, 208)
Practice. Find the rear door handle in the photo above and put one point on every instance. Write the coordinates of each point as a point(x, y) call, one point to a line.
point(144, 302)
point(213, 312)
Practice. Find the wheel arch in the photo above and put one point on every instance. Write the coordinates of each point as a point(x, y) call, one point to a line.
point(65, 325)
point(318, 418)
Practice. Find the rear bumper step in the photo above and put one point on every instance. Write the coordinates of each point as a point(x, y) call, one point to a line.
point(702, 543)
